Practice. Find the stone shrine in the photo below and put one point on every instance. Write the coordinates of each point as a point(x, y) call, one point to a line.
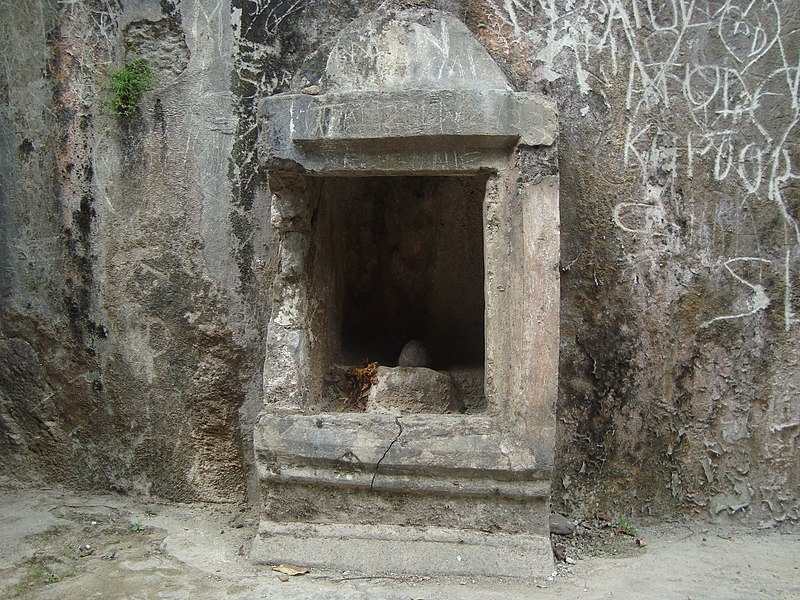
point(415, 196)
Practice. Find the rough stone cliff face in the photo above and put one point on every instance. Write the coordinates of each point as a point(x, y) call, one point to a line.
point(136, 255)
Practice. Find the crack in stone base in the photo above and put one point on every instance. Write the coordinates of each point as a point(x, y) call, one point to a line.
point(377, 466)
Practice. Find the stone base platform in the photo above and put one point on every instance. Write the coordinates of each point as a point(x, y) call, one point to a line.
point(414, 550)
point(422, 494)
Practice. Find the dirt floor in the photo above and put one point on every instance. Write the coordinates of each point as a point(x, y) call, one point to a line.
point(65, 545)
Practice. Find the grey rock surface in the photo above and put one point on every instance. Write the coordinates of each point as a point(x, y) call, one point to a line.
point(561, 525)
point(128, 331)
point(418, 444)
point(401, 475)
point(401, 49)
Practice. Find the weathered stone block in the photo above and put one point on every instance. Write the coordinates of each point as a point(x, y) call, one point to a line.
point(450, 455)
point(405, 390)
point(390, 549)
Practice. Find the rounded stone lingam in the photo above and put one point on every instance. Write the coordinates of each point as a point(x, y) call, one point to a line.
point(414, 354)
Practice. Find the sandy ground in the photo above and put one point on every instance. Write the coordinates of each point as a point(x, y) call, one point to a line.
point(64, 545)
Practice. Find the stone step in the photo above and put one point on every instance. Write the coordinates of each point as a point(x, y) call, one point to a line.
point(380, 549)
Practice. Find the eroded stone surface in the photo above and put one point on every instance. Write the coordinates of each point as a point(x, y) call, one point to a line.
point(393, 549)
point(410, 90)
point(469, 383)
point(369, 134)
point(358, 449)
point(415, 48)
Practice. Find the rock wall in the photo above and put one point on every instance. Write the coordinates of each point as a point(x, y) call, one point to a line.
point(680, 248)
point(137, 257)
point(133, 271)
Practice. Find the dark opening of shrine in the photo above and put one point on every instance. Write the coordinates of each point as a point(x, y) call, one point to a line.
point(396, 259)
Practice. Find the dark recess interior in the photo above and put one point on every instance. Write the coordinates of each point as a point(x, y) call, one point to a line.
point(401, 258)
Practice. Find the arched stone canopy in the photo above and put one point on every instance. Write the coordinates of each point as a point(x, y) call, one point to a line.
point(405, 105)
point(404, 50)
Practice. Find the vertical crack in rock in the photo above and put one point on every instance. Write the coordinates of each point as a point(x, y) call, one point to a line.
point(378, 465)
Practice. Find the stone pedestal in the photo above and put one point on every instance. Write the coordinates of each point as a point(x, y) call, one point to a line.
point(409, 390)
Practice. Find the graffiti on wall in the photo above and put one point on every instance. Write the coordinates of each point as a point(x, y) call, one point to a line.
point(723, 82)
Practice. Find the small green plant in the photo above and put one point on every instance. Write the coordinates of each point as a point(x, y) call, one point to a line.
point(625, 526)
point(36, 575)
point(40, 573)
point(127, 85)
point(137, 527)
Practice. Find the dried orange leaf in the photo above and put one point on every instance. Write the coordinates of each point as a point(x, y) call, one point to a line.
point(290, 570)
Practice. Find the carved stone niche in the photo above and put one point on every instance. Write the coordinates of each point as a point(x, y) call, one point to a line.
point(415, 197)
